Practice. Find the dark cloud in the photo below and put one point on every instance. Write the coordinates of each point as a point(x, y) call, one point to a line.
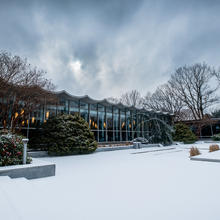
point(104, 48)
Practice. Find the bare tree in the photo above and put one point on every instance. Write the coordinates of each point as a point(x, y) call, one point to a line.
point(113, 100)
point(163, 99)
point(195, 87)
point(185, 115)
point(22, 89)
point(132, 98)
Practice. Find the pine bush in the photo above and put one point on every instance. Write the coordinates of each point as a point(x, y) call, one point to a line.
point(184, 134)
point(68, 135)
point(216, 137)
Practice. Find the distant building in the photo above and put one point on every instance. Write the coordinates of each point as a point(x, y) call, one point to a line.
point(204, 128)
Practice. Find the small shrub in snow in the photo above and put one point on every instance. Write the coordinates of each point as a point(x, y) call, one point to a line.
point(213, 147)
point(11, 150)
point(216, 137)
point(184, 134)
point(194, 151)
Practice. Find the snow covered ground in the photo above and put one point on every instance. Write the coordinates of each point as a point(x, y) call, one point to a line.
point(162, 185)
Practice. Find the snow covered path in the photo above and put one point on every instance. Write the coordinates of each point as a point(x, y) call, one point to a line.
point(118, 185)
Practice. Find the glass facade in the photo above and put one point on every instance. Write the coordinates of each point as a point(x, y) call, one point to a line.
point(109, 122)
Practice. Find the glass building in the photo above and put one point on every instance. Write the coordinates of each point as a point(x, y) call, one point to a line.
point(109, 122)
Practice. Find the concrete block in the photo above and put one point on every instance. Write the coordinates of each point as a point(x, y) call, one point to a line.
point(37, 169)
point(37, 154)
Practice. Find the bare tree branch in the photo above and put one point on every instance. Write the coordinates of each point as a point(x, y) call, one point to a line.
point(132, 98)
point(193, 86)
point(22, 89)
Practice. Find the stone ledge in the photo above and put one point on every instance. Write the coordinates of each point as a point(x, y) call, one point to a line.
point(102, 149)
point(205, 159)
point(37, 154)
point(155, 150)
point(37, 169)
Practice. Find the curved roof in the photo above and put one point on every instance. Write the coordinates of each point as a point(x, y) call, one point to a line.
point(104, 102)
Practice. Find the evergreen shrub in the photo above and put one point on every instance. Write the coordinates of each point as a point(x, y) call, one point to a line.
point(184, 134)
point(11, 150)
point(216, 137)
point(68, 135)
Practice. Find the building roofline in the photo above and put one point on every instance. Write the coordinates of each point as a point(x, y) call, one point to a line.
point(105, 102)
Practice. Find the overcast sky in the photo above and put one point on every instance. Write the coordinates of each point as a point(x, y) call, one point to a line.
point(106, 47)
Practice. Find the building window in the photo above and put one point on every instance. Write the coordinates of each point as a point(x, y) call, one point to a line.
point(93, 121)
point(84, 110)
point(74, 107)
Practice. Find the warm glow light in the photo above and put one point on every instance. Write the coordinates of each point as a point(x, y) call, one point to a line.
point(123, 124)
point(22, 122)
point(90, 121)
point(134, 122)
point(104, 125)
point(44, 121)
point(27, 122)
point(93, 123)
point(16, 114)
point(129, 125)
point(33, 119)
point(47, 114)
point(22, 111)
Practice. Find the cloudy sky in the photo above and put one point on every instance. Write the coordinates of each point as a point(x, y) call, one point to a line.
point(106, 47)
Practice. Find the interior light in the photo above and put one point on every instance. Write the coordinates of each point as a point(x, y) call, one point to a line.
point(47, 114)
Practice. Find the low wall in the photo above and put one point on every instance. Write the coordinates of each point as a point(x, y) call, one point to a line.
point(102, 149)
point(37, 169)
point(205, 159)
point(38, 154)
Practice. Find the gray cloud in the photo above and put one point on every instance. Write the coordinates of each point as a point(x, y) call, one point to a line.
point(104, 48)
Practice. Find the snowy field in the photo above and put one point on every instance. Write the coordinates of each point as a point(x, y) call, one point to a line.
point(118, 185)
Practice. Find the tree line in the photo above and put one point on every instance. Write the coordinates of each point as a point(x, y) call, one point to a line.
point(189, 94)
